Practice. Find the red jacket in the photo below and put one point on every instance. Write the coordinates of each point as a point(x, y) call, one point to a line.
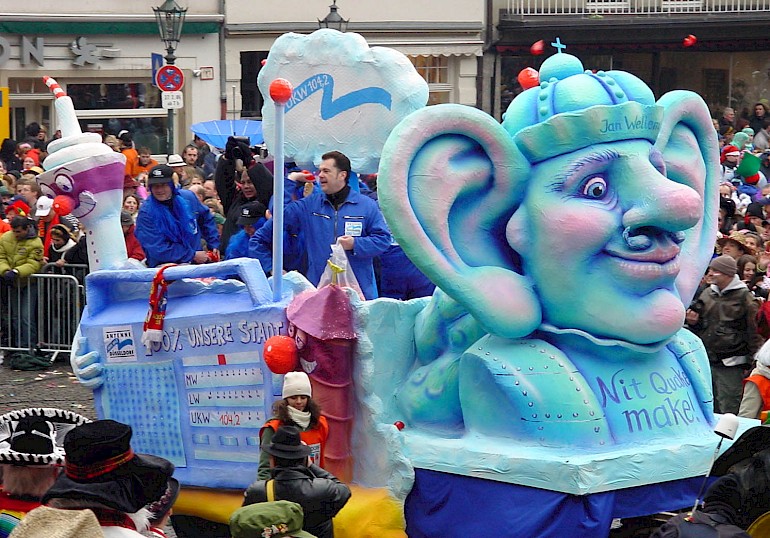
point(133, 247)
point(315, 438)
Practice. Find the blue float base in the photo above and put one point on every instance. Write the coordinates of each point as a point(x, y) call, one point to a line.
point(447, 505)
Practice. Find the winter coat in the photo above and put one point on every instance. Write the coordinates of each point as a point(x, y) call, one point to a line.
point(321, 225)
point(315, 437)
point(727, 322)
point(133, 247)
point(161, 249)
point(233, 199)
point(320, 494)
point(25, 256)
point(77, 255)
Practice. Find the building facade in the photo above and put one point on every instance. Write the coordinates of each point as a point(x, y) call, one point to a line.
point(443, 38)
point(103, 60)
point(727, 63)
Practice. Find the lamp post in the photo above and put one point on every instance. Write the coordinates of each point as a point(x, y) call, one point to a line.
point(333, 19)
point(170, 18)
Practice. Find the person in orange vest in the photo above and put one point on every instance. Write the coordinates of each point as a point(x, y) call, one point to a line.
point(756, 387)
point(296, 408)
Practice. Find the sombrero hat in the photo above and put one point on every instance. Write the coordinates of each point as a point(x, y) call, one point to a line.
point(35, 436)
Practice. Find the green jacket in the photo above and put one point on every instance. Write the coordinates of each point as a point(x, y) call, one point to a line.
point(25, 256)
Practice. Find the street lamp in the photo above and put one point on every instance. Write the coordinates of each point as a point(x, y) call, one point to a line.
point(333, 19)
point(170, 18)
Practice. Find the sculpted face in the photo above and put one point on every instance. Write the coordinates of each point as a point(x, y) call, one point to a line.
point(599, 232)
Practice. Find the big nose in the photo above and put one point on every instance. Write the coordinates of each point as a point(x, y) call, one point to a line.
point(662, 203)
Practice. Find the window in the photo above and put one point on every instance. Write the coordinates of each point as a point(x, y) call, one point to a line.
point(251, 98)
point(108, 108)
point(435, 71)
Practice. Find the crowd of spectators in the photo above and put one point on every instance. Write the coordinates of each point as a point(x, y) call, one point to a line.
point(730, 312)
point(203, 206)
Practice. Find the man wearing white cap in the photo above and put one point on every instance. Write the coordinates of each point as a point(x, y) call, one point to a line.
point(48, 218)
point(724, 317)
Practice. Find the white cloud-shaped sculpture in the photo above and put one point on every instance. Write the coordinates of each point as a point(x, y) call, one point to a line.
point(347, 96)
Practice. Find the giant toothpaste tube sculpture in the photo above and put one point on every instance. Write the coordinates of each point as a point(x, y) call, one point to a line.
point(87, 176)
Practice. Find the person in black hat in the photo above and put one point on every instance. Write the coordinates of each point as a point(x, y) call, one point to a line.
point(30, 455)
point(172, 222)
point(320, 494)
point(240, 180)
point(103, 474)
point(251, 219)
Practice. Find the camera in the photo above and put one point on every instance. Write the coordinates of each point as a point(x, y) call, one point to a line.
point(238, 148)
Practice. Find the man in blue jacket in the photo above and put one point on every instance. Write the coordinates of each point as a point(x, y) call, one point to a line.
point(172, 222)
point(337, 214)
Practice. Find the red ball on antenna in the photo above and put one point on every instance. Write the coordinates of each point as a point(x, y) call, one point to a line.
point(280, 91)
point(528, 78)
point(537, 48)
point(399, 425)
point(280, 354)
point(690, 40)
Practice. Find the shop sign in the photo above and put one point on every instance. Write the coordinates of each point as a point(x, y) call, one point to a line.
point(33, 49)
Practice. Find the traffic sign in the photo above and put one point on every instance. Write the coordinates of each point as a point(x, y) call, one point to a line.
point(171, 100)
point(156, 60)
point(169, 78)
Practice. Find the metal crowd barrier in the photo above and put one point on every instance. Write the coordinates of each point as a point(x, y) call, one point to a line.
point(45, 312)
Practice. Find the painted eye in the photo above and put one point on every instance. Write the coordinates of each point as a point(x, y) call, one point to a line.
point(64, 183)
point(45, 190)
point(595, 188)
point(292, 330)
point(300, 339)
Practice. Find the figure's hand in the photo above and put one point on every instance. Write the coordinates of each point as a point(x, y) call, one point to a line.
point(346, 242)
point(201, 256)
point(444, 327)
point(87, 367)
point(10, 276)
point(691, 317)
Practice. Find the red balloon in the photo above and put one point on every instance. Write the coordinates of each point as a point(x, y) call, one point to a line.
point(690, 40)
point(280, 354)
point(62, 205)
point(280, 91)
point(528, 78)
point(400, 425)
point(537, 48)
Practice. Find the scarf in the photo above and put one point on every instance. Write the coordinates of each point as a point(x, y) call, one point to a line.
point(337, 199)
point(301, 418)
point(65, 247)
point(762, 369)
point(153, 323)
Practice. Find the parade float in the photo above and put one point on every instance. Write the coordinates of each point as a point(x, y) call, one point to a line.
point(547, 384)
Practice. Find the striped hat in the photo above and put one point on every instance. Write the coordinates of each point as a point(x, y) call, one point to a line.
point(35, 436)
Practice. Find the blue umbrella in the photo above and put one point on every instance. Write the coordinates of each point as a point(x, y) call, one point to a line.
point(216, 132)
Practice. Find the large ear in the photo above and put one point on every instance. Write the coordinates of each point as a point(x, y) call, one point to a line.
point(449, 180)
point(688, 142)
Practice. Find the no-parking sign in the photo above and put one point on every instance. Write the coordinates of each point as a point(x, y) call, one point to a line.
point(169, 78)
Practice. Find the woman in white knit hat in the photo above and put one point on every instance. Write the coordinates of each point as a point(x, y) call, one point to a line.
point(296, 408)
